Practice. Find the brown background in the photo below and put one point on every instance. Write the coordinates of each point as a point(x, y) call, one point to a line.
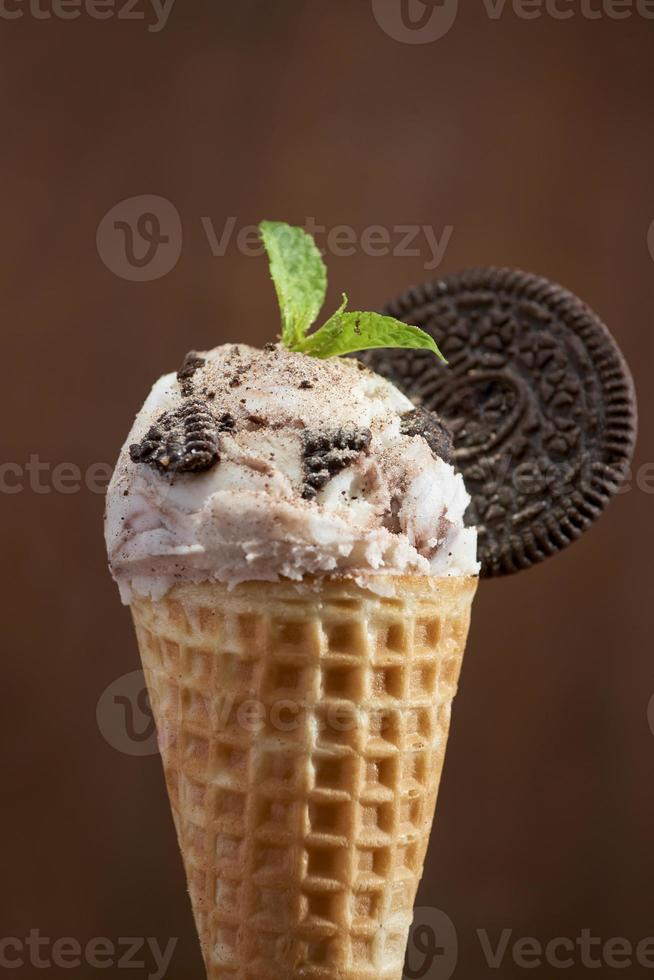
point(535, 140)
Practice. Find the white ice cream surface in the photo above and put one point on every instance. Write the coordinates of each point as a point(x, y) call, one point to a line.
point(397, 508)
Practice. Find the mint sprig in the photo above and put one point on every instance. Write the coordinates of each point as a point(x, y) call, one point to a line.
point(300, 279)
point(299, 275)
point(345, 333)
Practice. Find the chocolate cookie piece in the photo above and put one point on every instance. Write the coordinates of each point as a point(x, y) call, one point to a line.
point(192, 363)
point(539, 399)
point(184, 441)
point(324, 454)
point(421, 422)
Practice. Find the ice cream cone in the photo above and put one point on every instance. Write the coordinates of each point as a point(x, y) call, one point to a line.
point(303, 730)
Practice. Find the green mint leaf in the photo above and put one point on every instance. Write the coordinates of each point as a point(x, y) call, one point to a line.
point(345, 333)
point(299, 275)
point(339, 312)
point(300, 279)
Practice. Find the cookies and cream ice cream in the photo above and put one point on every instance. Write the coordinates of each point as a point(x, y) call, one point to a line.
point(266, 505)
point(267, 464)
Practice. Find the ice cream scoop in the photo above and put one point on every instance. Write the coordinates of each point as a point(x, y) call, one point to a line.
point(268, 464)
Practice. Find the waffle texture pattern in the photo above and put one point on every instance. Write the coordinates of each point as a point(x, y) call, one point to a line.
point(303, 730)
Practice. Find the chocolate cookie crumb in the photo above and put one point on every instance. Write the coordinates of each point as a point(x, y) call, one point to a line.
point(325, 454)
point(226, 422)
point(270, 348)
point(421, 422)
point(192, 363)
point(305, 384)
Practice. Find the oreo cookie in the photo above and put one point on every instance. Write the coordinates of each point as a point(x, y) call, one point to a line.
point(538, 398)
point(183, 441)
point(421, 422)
point(192, 363)
point(326, 453)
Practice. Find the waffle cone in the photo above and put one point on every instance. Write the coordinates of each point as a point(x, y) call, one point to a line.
point(303, 730)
